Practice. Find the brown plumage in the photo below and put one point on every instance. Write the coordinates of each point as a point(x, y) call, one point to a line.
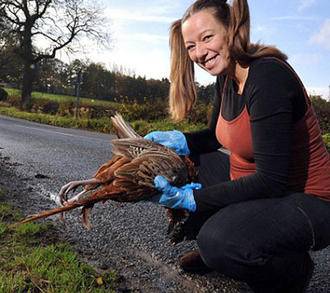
point(127, 177)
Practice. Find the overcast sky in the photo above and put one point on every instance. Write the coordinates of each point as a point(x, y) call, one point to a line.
point(300, 28)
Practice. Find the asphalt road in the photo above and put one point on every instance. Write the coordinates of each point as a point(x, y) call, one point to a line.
point(128, 237)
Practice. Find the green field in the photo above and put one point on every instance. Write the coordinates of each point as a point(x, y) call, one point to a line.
point(61, 98)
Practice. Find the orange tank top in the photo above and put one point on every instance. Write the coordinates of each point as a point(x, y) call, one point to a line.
point(309, 171)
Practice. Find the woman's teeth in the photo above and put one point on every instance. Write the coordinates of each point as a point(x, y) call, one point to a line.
point(210, 62)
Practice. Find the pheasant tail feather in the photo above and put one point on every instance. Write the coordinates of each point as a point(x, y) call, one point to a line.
point(87, 203)
point(123, 129)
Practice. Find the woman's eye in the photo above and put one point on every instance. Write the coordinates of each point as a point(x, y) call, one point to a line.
point(207, 38)
point(189, 48)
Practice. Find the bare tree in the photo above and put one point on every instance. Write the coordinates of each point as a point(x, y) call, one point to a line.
point(43, 27)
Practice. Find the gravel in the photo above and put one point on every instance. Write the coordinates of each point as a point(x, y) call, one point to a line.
point(136, 247)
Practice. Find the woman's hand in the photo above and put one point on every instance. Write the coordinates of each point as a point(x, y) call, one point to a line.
point(172, 139)
point(176, 197)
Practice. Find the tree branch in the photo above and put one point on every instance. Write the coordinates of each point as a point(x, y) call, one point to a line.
point(60, 22)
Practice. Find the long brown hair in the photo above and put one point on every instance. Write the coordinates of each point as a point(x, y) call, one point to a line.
point(236, 19)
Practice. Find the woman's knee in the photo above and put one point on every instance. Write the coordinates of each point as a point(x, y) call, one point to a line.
point(226, 249)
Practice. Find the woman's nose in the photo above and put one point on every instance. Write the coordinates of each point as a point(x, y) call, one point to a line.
point(201, 51)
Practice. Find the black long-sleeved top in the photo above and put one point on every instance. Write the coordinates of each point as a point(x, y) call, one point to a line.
point(275, 100)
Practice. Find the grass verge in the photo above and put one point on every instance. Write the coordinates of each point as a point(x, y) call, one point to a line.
point(32, 260)
point(101, 124)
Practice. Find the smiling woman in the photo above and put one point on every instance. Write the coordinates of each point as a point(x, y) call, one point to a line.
point(262, 208)
point(205, 41)
point(212, 38)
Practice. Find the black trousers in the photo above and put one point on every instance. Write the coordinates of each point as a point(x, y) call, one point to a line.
point(263, 242)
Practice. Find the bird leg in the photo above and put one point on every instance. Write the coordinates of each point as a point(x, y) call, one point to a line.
point(77, 197)
point(72, 186)
point(84, 201)
point(103, 175)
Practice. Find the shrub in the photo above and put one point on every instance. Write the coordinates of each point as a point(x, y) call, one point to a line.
point(14, 100)
point(51, 107)
point(326, 139)
point(66, 108)
point(322, 110)
point(3, 94)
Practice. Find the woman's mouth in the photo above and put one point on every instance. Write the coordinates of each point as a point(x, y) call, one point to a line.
point(210, 62)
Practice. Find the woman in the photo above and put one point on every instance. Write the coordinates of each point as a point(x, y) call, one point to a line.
point(264, 208)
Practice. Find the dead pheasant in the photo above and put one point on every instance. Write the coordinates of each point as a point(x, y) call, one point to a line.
point(127, 177)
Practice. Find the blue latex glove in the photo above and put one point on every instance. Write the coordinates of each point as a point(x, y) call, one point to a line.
point(176, 197)
point(173, 139)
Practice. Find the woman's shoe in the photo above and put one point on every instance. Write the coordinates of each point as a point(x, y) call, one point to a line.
point(192, 262)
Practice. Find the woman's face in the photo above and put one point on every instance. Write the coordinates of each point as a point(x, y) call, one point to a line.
point(206, 42)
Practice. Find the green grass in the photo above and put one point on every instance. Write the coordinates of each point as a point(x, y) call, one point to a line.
point(102, 124)
point(30, 261)
point(7, 213)
point(53, 268)
point(12, 92)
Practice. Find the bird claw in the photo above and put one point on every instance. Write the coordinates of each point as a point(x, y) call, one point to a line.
point(65, 189)
point(72, 187)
